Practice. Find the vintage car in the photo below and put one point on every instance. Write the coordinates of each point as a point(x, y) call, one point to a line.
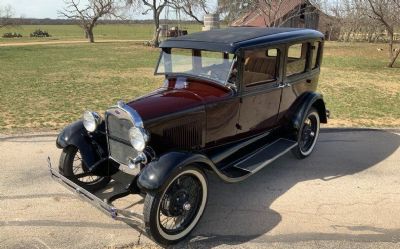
point(233, 101)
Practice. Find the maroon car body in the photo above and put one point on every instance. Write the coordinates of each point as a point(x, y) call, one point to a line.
point(233, 101)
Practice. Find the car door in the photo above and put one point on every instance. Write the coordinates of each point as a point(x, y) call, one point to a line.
point(301, 71)
point(260, 89)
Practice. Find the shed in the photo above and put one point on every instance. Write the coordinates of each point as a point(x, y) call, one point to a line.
point(291, 13)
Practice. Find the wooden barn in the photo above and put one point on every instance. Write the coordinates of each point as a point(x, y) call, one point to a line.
point(291, 13)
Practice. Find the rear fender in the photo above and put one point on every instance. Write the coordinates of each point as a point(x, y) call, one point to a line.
point(303, 104)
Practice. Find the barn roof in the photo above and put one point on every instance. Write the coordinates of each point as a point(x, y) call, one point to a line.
point(230, 39)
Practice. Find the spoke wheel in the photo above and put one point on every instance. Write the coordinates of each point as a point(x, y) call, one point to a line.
point(73, 167)
point(308, 135)
point(80, 171)
point(171, 214)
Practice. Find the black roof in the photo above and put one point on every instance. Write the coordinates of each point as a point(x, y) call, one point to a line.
point(230, 39)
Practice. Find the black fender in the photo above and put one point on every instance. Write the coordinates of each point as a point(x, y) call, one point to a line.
point(301, 107)
point(92, 146)
point(158, 172)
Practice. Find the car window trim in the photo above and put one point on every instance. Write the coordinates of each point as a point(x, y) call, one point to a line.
point(299, 76)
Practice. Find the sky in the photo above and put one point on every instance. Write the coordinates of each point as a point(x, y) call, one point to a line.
point(35, 8)
point(45, 8)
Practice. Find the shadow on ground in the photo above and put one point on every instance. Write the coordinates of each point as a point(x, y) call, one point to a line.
point(337, 154)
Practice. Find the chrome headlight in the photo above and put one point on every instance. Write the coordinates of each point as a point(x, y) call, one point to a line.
point(91, 120)
point(138, 137)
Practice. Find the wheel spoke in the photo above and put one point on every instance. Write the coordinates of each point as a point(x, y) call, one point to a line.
point(173, 217)
point(85, 174)
point(80, 172)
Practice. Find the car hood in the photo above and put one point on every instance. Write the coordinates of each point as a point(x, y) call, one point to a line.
point(171, 99)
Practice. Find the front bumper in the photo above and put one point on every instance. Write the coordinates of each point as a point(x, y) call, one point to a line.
point(107, 208)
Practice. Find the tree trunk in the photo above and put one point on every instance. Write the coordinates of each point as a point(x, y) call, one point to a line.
point(347, 37)
point(156, 34)
point(370, 36)
point(392, 54)
point(394, 57)
point(90, 35)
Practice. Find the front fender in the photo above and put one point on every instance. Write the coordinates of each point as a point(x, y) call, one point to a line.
point(158, 172)
point(92, 147)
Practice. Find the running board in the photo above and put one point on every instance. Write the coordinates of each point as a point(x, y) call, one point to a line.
point(265, 155)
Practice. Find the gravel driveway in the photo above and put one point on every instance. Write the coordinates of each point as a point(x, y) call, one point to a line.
point(346, 195)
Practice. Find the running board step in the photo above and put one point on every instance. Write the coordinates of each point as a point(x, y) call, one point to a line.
point(265, 155)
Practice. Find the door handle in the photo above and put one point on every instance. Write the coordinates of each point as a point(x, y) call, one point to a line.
point(282, 85)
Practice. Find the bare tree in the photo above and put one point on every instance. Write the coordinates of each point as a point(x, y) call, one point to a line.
point(234, 9)
point(387, 13)
point(154, 6)
point(192, 8)
point(6, 14)
point(88, 15)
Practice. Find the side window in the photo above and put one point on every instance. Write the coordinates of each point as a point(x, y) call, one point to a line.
point(297, 59)
point(315, 51)
point(260, 66)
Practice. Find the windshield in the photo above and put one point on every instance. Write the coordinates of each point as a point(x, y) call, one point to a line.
point(215, 66)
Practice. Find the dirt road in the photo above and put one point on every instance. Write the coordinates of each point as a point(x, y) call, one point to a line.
point(13, 44)
point(346, 195)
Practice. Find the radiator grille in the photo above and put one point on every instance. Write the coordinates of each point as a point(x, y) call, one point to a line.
point(118, 139)
point(118, 127)
point(184, 136)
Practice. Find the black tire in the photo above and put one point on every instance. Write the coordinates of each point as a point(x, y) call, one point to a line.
point(307, 135)
point(70, 161)
point(155, 206)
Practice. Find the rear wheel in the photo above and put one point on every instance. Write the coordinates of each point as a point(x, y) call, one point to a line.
point(73, 167)
point(308, 135)
point(171, 214)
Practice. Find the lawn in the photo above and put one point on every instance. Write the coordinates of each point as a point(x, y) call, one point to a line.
point(101, 32)
point(44, 87)
point(358, 87)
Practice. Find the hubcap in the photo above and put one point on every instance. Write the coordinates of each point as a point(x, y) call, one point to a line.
point(187, 206)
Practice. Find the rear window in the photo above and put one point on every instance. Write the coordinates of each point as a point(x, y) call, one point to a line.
point(297, 59)
point(315, 52)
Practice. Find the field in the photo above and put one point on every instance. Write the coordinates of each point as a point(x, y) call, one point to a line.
point(44, 87)
point(101, 32)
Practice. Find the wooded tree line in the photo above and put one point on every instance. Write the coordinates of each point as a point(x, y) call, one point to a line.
point(369, 20)
point(6, 14)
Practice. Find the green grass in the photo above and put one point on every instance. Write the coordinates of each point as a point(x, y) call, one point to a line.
point(102, 32)
point(49, 86)
point(358, 87)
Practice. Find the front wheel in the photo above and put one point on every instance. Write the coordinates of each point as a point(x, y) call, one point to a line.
point(171, 214)
point(308, 135)
point(73, 167)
